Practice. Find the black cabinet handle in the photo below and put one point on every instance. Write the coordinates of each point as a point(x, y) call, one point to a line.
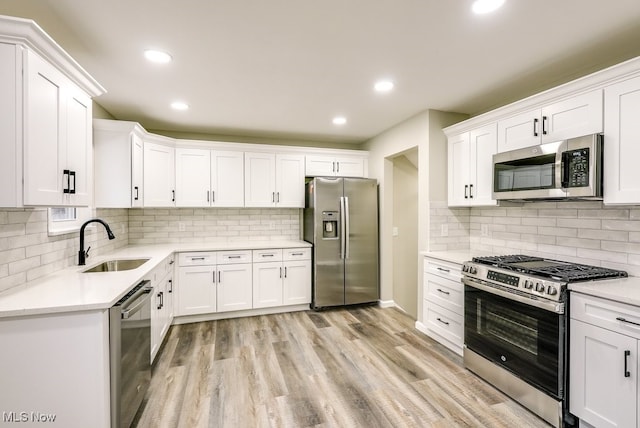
point(626, 356)
point(159, 295)
point(337, 166)
point(66, 173)
point(466, 187)
point(196, 258)
point(207, 196)
point(135, 189)
point(171, 286)
point(333, 167)
point(173, 196)
point(213, 196)
point(278, 197)
point(443, 322)
point(72, 179)
point(443, 292)
point(535, 127)
point(471, 191)
point(285, 271)
point(219, 277)
point(443, 270)
point(627, 321)
point(280, 272)
point(544, 125)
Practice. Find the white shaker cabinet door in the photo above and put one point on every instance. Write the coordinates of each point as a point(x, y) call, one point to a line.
point(574, 117)
point(259, 180)
point(519, 131)
point(235, 289)
point(79, 156)
point(290, 181)
point(267, 284)
point(458, 180)
point(193, 177)
point(297, 282)
point(159, 175)
point(483, 145)
point(45, 141)
point(622, 143)
point(196, 290)
point(137, 176)
point(603, 390)
point(227, 178)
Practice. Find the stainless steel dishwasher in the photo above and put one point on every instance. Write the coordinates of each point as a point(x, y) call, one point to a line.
point(130, 353)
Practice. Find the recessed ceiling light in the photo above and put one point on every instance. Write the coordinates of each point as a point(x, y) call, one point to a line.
point(383, 86)
point(179, 105)
point(339, 120)
point(486, 6)
point(157, 56)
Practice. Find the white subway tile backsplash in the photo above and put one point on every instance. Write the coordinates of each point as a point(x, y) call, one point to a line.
point(580, 231)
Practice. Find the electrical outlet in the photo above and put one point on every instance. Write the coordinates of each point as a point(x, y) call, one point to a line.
point(181, 227)
point(444, 230)
point(484, 230)
point(394, 231)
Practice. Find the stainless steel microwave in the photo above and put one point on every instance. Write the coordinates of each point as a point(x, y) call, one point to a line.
point(569, 168)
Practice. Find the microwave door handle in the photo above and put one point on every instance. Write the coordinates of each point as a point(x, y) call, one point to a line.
point(565, 170)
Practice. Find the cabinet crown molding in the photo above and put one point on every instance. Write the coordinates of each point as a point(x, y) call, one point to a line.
point(27, 33)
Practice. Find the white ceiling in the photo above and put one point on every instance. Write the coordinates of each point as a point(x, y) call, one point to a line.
point(284, 68)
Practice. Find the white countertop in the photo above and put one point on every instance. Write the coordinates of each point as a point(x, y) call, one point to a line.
point(71, 290)
point(623, 290)
point(458, 257)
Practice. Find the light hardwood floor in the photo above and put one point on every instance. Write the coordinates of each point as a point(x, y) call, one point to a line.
point(364, 367)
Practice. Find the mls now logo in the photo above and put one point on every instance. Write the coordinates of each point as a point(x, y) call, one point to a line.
point(27, 417)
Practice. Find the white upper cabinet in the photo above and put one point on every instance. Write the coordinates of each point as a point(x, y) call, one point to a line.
point(46, 156)
point(209, 178)
point(573, 117)
point(335, 166)
point(274, 180)
point(118, 166)
point(159, 175)
point(622, 143)
point(470, 175)
point(227, 178)
point(193, 177)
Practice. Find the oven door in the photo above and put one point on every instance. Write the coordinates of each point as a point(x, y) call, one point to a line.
point(523, 339)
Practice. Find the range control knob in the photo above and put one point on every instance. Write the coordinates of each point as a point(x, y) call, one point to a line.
point(473, 270)
point(539, 287)
point(528, 284)
point(551, 290)
point(465, 268)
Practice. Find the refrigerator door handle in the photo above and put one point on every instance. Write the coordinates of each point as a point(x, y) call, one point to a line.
point(343, 243)
point(347, 227)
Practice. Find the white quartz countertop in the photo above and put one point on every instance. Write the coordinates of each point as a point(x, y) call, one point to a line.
point(72, 290)
point(458, 257)
point(623, 290)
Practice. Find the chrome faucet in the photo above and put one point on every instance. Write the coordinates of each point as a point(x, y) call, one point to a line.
point(82, 254)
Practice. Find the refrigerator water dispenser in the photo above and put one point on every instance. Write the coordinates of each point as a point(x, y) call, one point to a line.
point(330, 224)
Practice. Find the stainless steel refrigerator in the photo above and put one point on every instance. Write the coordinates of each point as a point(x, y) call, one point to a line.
point(341, 221)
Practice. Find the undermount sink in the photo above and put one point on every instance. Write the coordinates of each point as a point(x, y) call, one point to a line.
point(117, 265)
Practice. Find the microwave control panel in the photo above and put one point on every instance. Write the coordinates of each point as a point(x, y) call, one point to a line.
point(578, 166)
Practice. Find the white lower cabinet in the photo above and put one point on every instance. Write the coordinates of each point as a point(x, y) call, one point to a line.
point(234, 288)
point(443, 303)
point(604, 364)
point(196, 292)
point(281, 277)
point(161, 303)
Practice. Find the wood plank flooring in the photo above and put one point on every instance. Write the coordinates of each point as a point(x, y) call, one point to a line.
point(360, 367)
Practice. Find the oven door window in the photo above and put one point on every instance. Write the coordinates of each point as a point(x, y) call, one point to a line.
point(523, 339)
point(525, 174)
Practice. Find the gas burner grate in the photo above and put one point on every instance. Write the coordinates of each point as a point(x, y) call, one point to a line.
point(511, 258)
point(576, 272)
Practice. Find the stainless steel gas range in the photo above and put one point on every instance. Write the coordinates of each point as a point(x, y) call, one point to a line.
point(515, 329)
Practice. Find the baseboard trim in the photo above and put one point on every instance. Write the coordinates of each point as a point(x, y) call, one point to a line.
point(238, 314)
point(386, 303)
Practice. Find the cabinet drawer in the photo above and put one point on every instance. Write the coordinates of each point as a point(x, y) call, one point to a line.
point(197, 259)
point(232, 257)
point(297, 254)
point(443, 269)
point(270, 255)
point(606, 314)
point(444, 322)
point(444, 292)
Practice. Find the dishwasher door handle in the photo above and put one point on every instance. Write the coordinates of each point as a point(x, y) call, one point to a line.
point(136, 302)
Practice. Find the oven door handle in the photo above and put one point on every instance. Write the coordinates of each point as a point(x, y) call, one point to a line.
point(550, 306)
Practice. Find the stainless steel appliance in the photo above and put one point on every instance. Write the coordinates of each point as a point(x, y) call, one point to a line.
point(564, 169)
point(341, 221)
point(515, 330)
point(130, 353)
